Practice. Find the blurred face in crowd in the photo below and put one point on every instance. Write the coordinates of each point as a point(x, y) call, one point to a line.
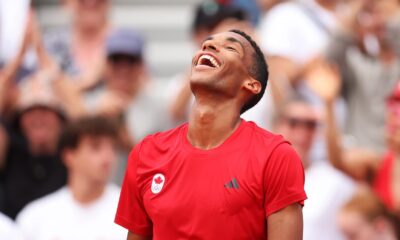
point(89, 13)
point(94, 158)
point(298, 124)
point(42, 128)
point(124, 73)
point(376, 16)
point(356, 226)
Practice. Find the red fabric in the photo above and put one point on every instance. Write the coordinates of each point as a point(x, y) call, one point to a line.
point(223, 193)
point(382, 181)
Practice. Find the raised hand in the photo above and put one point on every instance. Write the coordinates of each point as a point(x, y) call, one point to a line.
point(324, 79)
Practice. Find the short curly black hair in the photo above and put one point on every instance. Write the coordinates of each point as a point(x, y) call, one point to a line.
point(258, 70)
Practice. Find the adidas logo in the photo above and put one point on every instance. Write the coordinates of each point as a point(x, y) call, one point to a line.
point(232, 184)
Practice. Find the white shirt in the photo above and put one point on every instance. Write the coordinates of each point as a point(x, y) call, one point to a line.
point(287, 30)
point(8, 229)
point(327, 190)
point(58, 216)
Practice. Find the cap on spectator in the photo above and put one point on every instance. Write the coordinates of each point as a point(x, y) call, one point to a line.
point(38, 93)
point(125, 42)
point(395, 96)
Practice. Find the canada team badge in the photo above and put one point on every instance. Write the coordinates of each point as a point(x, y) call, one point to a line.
point(157, 183)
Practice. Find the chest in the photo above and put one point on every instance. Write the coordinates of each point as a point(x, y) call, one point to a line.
point(186, 186)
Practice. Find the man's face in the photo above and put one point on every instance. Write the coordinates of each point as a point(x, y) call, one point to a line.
point(298, 125)
point(41, 126)
point(123, 72)
point(222, 63)
point(94, 159)
point(89, 12)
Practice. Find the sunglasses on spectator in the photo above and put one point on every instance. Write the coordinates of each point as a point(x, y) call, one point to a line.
point(309, 124)
point(121, 58)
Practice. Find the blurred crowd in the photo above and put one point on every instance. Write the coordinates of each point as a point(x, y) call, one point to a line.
point(75, 100)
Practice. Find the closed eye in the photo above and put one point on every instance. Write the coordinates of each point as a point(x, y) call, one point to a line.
point(232, 49)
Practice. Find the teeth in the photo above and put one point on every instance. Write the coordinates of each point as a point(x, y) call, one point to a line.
point(212, 60)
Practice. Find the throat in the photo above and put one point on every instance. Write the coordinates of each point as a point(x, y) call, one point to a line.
point(211, 125)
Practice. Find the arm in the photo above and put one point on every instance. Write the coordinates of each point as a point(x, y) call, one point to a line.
point(357, 163)
point(286, 224)
point(132, 236)
point(325, 80)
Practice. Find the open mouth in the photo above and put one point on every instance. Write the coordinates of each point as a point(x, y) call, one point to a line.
point(208, 60)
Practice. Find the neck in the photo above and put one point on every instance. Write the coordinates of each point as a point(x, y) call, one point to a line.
point(210, 124)
point(83, 190)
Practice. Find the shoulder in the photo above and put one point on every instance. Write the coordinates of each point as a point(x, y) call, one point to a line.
point(262, 136)
point(46, 204)
point(8, 229)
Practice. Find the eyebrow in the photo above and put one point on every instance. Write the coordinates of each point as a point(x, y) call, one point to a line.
point(234, 40)
point(230, 39)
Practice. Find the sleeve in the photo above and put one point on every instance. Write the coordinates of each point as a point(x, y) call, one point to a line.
point(283, 179)
point(131, 213)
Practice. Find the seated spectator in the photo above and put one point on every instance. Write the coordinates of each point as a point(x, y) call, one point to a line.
point(327, 188)
point(85, 207)
point(79, 48)
point(8, 229)
point(364, 217)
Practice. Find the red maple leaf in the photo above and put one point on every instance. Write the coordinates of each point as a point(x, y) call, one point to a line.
point(158, 180)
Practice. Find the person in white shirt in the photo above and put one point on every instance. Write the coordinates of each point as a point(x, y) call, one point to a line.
point(8, 229)
point(84, 209)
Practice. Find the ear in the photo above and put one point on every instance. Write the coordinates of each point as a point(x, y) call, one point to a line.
point(252, 85)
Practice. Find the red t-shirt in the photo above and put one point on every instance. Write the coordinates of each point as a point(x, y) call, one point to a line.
point(173, 190)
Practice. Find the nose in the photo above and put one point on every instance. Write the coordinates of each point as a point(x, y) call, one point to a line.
point(209, 45)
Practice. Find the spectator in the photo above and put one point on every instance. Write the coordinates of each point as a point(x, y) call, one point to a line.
point(30, 164)
point(365, 51)
point(8, 229)
point(80, 49)
point(327, 188)
point(364, 217)
point(126, 94)
point(379, 171)
point(286, 26)
point(84, 208)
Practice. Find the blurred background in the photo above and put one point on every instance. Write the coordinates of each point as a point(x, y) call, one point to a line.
point(83, 81)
